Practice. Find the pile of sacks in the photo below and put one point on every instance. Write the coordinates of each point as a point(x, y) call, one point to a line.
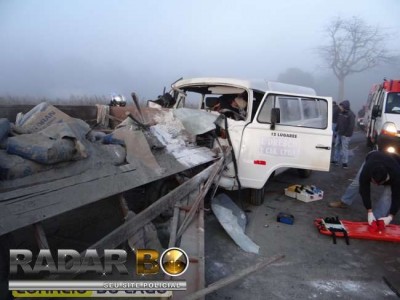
point(40, 139)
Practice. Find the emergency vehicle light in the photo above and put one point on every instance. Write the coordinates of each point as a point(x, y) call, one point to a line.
point(392, 86)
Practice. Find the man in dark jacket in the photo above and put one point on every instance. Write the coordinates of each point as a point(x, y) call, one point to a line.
point(380, 168)
point(344, 129)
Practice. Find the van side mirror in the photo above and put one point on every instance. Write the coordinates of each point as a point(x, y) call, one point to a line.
point(375, 112)
point(275, 117)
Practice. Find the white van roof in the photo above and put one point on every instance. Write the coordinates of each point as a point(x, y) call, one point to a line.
point(254, 84)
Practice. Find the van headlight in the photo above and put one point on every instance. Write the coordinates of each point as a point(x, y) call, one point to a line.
point(391, 149)
point(389, 128)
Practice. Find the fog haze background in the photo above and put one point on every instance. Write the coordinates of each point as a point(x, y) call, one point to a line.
point(56, 49)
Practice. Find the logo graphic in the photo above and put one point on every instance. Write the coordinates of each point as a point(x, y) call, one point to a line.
point(174, 261)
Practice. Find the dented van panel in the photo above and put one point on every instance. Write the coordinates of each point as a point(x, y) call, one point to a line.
point(278, 126)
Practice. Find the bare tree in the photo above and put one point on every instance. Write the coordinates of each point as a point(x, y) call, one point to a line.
point(353, 47)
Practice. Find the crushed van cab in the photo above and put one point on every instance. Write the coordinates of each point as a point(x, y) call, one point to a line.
point(268, 125)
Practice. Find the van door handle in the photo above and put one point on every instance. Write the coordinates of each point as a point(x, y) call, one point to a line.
point(323, 147)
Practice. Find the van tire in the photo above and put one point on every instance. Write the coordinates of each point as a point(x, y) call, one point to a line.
point(257, 196)
point(304, 173)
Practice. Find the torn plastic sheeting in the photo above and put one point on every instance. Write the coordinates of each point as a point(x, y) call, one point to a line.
point(57, 143)
point(175, 142)
point(233, 220)
point(195, 121)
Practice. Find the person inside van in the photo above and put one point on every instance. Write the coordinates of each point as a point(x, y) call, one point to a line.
point(234, 107)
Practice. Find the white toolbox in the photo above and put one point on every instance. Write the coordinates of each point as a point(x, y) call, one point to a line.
point(305, 193)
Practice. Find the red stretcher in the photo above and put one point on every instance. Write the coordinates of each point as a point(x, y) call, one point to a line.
point(359, 230)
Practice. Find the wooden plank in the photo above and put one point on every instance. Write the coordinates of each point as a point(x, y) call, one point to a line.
point(174, 226)
point(192, 241)
point(200, 197)
point(123, 205)
point(201, 247)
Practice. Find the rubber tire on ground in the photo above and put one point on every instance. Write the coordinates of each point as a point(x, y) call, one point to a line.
point(257, 196)
point(303, 173)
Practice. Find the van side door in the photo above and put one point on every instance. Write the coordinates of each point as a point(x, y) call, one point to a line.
point(374, 116)
point(300, 138)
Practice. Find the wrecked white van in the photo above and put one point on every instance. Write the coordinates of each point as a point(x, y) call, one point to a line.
point(282, 126)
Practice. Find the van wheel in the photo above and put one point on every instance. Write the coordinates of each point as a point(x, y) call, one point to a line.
point(303, 173)
point(257, 196)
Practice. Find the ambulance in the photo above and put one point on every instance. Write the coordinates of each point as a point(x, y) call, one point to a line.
point(382, 118)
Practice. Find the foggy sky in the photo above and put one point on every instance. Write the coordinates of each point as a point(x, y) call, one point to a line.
point(96, 47)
